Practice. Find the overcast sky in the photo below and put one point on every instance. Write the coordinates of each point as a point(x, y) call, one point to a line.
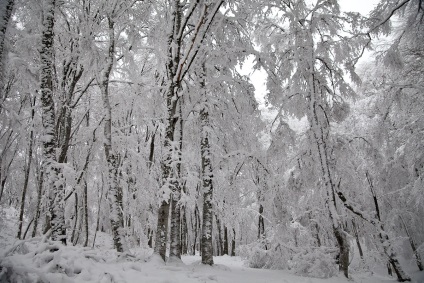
point(361, 6)
point(258, 77)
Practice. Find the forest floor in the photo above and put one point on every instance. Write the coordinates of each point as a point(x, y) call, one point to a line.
point(32, 260)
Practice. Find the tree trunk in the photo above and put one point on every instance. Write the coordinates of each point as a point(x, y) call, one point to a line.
point(175, 247)
point(358, 242)
point(225, 250)
point(162, 230)
point(233, 244)
point(343, 250)
point(184, 231)
point(384, 237)
point(219, 243)
point(413, 246)
point(150, 238)
point(112, 159)
point(85, 192)
point(39, 196)
point(98, 215)
point(27, 171)
point(318, 129)
point(261, 224)
point(196, 225)
point(52, 171)
point(169, 183)
point(207, 177)
point(27, 228)
point(75, 218)
point(4, 21)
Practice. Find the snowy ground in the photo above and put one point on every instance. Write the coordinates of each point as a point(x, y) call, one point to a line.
point(32, 260)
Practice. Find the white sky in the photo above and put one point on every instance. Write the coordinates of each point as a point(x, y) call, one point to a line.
point(361, 6)
point(258, 77)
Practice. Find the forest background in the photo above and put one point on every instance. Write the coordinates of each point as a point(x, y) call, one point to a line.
point(138, 119)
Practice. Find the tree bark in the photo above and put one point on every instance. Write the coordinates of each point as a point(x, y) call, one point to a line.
point(219, 243)
point(112, 158)
point(225, 249)
point(358, 242)
point(261, 224)
point(98, 215)
point(27, 171)
point(175, 247)
point(184, 231)
point(196, 225)
point(39, 196)
point(233, 243)
point(75, 218)
point(4, 21)
point(52, 172)
point(85, 192)
point(27, 228)
point(207, 177)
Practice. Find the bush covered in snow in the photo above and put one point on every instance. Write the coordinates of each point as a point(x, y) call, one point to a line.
point(311, 262)
point(42, 260)
point(316, 262)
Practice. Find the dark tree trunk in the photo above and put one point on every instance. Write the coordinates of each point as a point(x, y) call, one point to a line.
point(85, 213)
point(225, 250)
point(184, 231)
point(150, 238)
point(219, 244)
point(207, 177)
point(358, 242)
point(175, 247)
point(4, 21)
point(75, 218)
point(27, 228)
point(196, 225)
point(27, 171)
point(52, 171)
point(38, 207)
point(261, 224)
point(169, 178)
point(162, 230)
point(233, 243)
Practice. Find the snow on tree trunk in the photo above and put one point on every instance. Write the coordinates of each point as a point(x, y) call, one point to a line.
point(175, 246)
point(39, 196)
point(6, 8)
point(52, 171)
point(319, 131)
point(384, 237)
point(112, 159)
point(207, 176)
point(170, 185)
